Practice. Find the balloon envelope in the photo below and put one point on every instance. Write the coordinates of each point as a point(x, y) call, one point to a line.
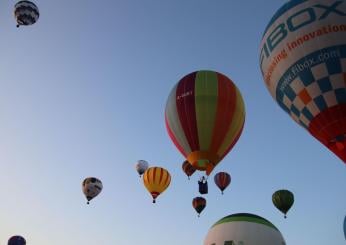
point(16, 240)
point(26, 13)
point(222, 180)
point(91, 187)
point(204, 117)
point(156, 180)
point(302, 60)
point(141, 166)
point(188, 168)
point(345, 227)
point(243, 229)
point(283, 200)
point(199, 204)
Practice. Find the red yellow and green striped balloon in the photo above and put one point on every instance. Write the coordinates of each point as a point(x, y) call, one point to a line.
point(156, 180)
point(204, 117)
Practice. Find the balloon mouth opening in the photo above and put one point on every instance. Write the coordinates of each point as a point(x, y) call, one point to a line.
point(203, 161)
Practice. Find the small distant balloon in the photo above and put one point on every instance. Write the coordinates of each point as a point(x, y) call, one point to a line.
point(283, 200)
point(16, 240)
point(345, 227)
point(199, 203)
point(26, 13)
point(188, 168)
point(222, 180)
point(91, 188)
point(141, 166)
point(156, 180)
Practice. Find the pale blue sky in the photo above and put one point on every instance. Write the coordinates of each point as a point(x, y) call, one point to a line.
point(83, 92)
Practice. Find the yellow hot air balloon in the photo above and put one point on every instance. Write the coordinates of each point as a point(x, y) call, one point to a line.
point(156, 180)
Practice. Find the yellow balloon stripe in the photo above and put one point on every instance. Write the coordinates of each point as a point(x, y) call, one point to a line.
point(235, 126)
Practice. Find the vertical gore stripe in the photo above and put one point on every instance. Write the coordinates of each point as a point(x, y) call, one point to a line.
point(225, 110)
point(206, 94)
point(236, 126)
point(174, 139)
point(186, 109)
point(174, 124)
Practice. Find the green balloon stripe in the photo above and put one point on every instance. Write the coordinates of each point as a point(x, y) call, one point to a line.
point(245, 219)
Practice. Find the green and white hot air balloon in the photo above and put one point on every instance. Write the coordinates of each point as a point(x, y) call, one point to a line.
point(244, 229)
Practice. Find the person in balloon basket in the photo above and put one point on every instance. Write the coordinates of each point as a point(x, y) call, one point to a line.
point(203, 185)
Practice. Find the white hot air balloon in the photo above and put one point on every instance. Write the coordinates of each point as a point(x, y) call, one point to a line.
point(141, 166)
point(244, 229)
point(91, 188)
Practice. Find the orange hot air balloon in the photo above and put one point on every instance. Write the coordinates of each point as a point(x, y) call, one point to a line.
point(204, 117)
point(188, 169)
point(156, 180)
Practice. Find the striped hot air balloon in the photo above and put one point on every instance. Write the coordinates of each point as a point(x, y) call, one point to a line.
point(222, 180)
point(188, 169)
point(156, 180)
point(302, 59)
point(199, 203)
point(26, 13)
point(244, 229)
point(204, 117)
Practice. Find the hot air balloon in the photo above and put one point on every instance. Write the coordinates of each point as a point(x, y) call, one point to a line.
point(283, 200)
point(199, 204)
point(204, 117)
point(26, 13)
point(156, 180)
point(243, 229)
point(222, 180)
point(16, 240)
point(141, 166)
point(302, 60)
point(91, 188)
point(188, 169)
point(345, 227)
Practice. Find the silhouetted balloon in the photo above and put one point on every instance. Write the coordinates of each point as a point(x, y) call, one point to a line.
point(283, 200)
point(199, 204)
point(302, 60)
point(345, 227)
point(26, 13)
point(16, 240)
point(156, 180)
point(204, 117)
point(91, 188)
point(188, 169)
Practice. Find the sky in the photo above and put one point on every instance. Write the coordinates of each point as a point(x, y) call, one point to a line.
point(83, 93)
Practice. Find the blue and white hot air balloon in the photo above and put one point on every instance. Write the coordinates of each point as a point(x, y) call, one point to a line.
point(303, 63)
